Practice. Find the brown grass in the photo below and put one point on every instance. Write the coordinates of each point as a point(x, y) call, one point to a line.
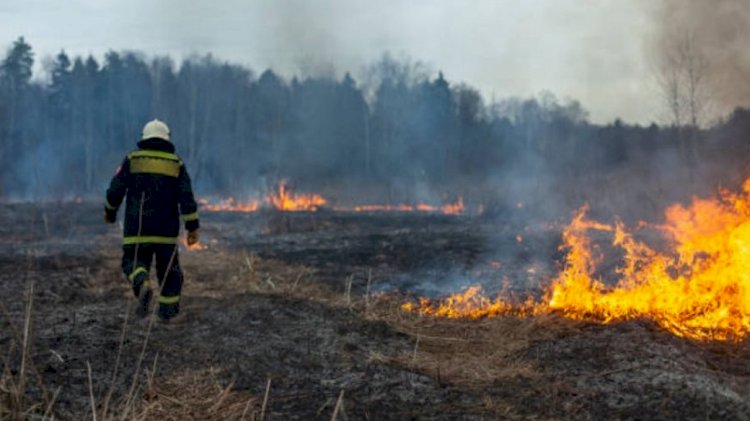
point(250, 274)
point(468, 352)
point(192, 395)
point(195, 395)
point(189, 395)
point(14, 388)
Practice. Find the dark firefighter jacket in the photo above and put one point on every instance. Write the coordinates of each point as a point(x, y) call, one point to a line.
point(158, 191)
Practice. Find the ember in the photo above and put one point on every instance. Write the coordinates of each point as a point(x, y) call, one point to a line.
point(195, 247)
point(699, 289)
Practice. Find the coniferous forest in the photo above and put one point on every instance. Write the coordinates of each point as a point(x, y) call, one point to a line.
point(399, 132)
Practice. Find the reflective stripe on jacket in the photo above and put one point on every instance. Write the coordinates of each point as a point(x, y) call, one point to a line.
point(156, 188)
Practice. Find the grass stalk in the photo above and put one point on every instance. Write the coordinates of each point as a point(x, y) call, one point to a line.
point(367, 290)
point(222, 396)
point(301, 273)
point(265, 400)
point(25, 344)
point(416, 348)
point(91, 391)
point(247, 407)
point(123, 332)
point(51, 403)
point(349, 289)
point(339, 406)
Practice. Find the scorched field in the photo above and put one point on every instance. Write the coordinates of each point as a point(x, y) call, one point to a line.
point(343, 315)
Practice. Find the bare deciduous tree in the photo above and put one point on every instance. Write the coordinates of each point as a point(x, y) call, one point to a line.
point(683, 77)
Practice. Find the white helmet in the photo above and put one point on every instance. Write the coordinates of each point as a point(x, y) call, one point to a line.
point(155, 129)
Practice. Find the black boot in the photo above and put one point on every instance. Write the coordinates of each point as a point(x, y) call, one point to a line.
point(144, 299)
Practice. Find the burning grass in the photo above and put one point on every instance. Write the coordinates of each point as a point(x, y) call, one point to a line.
point(698, 289)
point(331, 346)
point(284, 199)
point(579, 369)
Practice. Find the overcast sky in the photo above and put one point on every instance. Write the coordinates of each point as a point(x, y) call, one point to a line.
point(591, 50)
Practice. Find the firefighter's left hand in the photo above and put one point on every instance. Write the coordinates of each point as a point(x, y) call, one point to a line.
point(192, 237)
point(110, 218)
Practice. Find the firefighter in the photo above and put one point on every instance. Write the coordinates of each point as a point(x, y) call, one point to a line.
point(158, 190)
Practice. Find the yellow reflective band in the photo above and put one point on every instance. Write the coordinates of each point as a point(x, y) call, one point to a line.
point(154, 154)
point(169, 300)
point(149, 239)
point(138, 270)
point(108, 206)
point(190, 217)
point(155, 166)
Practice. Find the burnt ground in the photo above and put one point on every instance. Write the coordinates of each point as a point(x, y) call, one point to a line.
point(266, 309)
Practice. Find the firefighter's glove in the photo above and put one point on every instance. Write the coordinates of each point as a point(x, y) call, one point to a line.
point(110, 217)
point(192, 237)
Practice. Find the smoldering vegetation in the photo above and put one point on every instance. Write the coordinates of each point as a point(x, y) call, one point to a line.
point(296, 326)
point(304, 321)
point(400, 133)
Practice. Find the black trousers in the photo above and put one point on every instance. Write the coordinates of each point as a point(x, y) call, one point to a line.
point(136, 263)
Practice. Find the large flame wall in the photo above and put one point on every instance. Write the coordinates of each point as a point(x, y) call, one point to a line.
point(698, 288)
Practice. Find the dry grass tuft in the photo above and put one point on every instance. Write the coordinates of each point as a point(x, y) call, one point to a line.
point(19, 398)
point(254, 275)
point(195, 395)
point(468, 352)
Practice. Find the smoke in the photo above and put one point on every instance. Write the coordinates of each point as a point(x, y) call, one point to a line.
point(714, 34)
point(292, 37)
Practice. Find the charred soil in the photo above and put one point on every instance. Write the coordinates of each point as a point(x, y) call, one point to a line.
point(296, 316)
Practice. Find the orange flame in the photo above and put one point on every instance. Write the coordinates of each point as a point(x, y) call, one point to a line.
point(195, 247)
point(699, 289)
point(454, 208)
point(285, 200)
point(472, 303)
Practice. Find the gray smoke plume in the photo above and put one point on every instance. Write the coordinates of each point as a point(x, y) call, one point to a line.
point(709, 39)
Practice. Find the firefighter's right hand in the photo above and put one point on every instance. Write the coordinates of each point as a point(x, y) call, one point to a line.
point(192, 237)
point(110, 217)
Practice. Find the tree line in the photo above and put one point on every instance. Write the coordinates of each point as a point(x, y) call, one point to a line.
point(402, 131)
